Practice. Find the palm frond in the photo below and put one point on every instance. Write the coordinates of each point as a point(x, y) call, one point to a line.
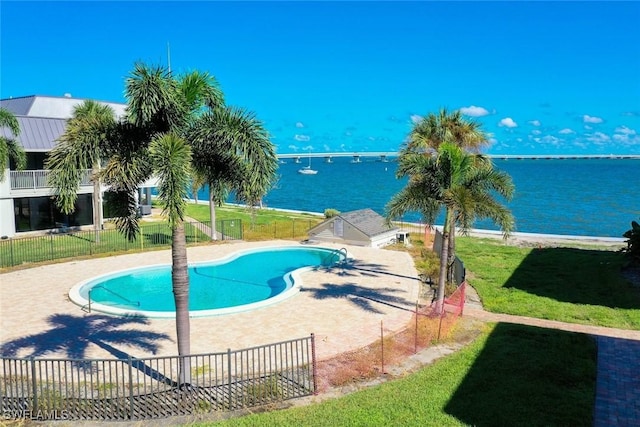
point(171, 157)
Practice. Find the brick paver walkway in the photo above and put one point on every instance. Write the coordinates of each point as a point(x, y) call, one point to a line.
point(618, 385)
point(618, 378)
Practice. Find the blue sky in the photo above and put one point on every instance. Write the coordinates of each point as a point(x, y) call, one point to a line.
point(541, 77)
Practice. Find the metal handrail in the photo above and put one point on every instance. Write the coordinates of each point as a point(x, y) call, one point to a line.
point(136, 303)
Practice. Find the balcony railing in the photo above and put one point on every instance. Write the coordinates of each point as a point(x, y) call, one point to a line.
point(35, 179)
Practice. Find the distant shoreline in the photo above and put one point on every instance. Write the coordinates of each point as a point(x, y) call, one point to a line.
point(482, 233)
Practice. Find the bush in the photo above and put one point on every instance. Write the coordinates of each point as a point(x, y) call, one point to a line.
point(633, 243)
point(330, 213)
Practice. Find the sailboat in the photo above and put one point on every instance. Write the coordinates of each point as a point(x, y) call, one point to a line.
point(306, 170)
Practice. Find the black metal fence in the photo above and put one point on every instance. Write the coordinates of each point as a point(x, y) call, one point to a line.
point(127, 389)
point(459, 272)
point(69, 244)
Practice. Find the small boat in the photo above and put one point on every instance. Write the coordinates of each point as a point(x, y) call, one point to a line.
point(306, 170)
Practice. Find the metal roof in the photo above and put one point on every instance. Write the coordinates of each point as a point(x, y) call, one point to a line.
point(367, 221)
point(55, 107)
point(37, 133)
point(18, 106)
point(42, 119)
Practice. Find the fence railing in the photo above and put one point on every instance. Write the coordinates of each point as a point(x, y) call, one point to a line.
point(133, 388)
point(35, 179)
point(70, 244)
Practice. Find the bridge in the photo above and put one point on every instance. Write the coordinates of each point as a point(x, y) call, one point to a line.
point(386, 155)
point(356, 156)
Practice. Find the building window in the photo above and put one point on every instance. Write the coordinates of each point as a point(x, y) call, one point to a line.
point(41, 213)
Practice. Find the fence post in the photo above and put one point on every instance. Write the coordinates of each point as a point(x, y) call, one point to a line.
point(382, 346)
point(131, 401)
point(314, 367)
point(229, 376)
point(34, 384)
point(51, 246)
point(11, 248)
point(415, 339)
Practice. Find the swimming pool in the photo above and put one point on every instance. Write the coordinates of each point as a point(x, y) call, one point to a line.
point(242, 281)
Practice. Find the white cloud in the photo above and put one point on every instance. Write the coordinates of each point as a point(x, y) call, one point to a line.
point(536, 132)
point(416, 118)
point(302, 138)
point(625, 130)
point(566, 131)
point(589, 119)
point(598, 138)
point(474, 111)
point(550, 139)
point(299, 125)
point(308, 148)
point(293, 147)
point(508, 122)
point(587, 127)
point(535, 122)
point(326, 148)
point(492, 141)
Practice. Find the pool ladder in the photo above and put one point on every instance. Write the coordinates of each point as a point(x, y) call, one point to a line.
point(136, 303)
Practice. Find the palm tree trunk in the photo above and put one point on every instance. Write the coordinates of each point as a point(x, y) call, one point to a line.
point(452, 252)
point(212, 216)
point(180, 281)
point(444, 259)
point(97, 203)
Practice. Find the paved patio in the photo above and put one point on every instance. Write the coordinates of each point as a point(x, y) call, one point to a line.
point(344, 308)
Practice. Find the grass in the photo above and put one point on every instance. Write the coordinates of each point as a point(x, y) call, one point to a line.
point(575, 285)
point(262, 224)
point(512, 375)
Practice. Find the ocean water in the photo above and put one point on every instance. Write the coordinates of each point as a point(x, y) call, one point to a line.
point(579, 197)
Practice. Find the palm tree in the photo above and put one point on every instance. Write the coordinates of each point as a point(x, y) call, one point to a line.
point(232, 153)
point(463, 184)
point(82, 146)
point(163, 116)
point(435, 129)
point(9, 147)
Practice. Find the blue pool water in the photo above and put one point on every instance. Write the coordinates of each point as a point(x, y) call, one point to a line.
point(243, 279)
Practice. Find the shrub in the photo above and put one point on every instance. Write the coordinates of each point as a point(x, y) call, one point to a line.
point(633, 243)
point(330, 213)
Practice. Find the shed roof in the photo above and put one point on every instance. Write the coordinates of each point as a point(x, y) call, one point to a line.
point(367, 221)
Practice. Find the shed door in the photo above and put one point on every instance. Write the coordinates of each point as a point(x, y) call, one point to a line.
point(338, 227)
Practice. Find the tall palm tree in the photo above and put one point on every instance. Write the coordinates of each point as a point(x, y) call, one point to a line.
point(232, 153)
point(461, 183)
point(9, 147)
point(437, 128)
point(82, 146)
point(163, 116)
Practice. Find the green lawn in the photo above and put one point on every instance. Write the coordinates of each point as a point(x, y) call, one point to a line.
point(576, 285)
point(513, 375)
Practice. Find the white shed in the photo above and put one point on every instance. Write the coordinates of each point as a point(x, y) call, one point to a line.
point(363, 227)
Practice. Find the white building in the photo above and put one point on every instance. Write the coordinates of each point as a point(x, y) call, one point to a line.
point(26, 202)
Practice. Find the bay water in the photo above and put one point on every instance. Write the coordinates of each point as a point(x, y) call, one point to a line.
point(578, 197)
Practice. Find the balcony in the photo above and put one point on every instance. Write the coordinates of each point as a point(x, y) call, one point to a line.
point(39, 179)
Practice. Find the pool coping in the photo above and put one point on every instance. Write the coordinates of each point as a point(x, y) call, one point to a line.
point(292, 279)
